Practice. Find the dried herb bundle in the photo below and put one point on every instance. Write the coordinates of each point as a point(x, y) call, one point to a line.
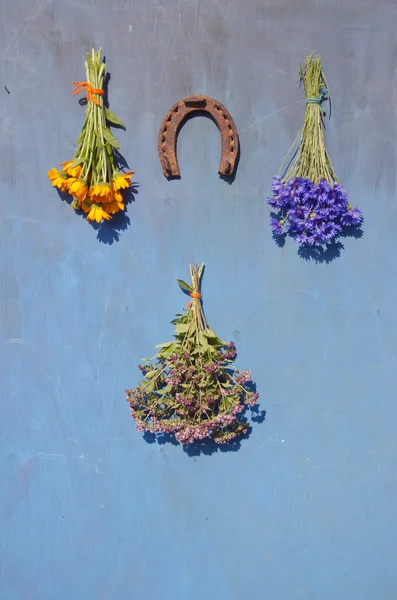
point(189, 388)
point(312, 206)
point(92, 176)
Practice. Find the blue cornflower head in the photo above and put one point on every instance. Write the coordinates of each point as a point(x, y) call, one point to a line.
point(352, 216)
point(277, 226)
point(313, 214)
point(280, 196)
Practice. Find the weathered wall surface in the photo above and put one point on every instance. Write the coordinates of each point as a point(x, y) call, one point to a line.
point(306, 509)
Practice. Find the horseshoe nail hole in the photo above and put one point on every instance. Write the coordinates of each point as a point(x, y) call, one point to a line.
point(176, 110)
point(196, 102)
point(232, 149)
point(217, 107)
point(165, 128)
point(232, 139)
point(229, 126)
point(163, 138)
point(225, 117)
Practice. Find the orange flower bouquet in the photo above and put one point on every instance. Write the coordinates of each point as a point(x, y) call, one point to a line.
point(92, 177)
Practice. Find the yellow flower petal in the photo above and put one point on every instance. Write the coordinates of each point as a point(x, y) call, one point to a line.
point(71, 171)
point(111, 207)
point(77, 188)
point(58, 180)
point(97, 214)
point(122, 180)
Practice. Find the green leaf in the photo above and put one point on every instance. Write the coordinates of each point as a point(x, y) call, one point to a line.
point(77, 161)
point(81, 136)
point(166, 349)
point(203, 340)
point(184, 286)
point(165, 390)
point(182, 328)
point(112, 118)
point(209, 333)
point(109, 137)
point(149, 387)
point(151, 374)
point(164, 345)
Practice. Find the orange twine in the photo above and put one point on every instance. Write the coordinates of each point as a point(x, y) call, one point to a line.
point(193, 295)
point(84, 85)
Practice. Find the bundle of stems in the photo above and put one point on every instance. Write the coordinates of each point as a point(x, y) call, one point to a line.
point(310, 159)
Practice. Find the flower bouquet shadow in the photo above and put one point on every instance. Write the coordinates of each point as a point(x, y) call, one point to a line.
point(109, 231)
point(333, 250)
point(320, 253)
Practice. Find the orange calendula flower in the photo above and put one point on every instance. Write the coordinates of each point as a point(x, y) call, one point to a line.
point(122, 180)
point(111, 207)
point(58, 179)
point(101, 193)
point(118, 196)
point(78, 188)
point(97, 214)
point(71, 171)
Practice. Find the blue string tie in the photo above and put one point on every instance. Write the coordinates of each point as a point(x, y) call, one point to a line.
point(322, 97)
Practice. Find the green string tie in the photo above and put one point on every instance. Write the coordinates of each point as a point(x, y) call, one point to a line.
point(322, 97)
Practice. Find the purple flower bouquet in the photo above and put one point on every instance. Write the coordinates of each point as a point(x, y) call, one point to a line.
point(190, 390)
point(312, 207)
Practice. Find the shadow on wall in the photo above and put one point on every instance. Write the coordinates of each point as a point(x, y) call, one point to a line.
point(108, 231)
point(321, 255)
point(208, 447)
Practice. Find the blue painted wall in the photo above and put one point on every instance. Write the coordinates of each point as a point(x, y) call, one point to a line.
point(306, 509)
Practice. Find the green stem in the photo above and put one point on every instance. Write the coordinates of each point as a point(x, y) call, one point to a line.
point(312, 160)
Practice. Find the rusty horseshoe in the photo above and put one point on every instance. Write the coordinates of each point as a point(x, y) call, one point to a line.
point(173, 122)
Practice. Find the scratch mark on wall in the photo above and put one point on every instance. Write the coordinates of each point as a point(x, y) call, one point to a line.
point(19, 341)
point(44, 455)
point(270, 115)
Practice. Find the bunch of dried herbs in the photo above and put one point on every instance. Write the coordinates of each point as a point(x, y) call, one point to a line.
point(190, 389)
point(312, 206)
point(92, 176)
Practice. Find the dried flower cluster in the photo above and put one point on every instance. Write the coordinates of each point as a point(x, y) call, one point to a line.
point(92, 176)
point(190, 389)
point(312, 206)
